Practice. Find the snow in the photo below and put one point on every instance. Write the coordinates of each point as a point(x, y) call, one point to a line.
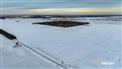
point(97, 45)
point(16, 58)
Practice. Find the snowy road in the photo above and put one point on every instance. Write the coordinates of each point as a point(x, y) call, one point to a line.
point(97, 45)
point(44, 55)
point(20, 58)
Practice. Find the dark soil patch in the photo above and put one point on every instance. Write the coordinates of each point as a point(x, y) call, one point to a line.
point(62, 23)
point(7, 35)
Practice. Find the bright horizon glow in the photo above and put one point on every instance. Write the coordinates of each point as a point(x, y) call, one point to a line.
point(65, 11)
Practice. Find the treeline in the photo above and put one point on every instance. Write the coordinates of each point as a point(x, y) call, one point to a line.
point(52, 16)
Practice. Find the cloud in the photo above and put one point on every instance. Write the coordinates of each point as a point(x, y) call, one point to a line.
point(61, 6)
point(64, 0)
point(42, 5)
point(64, 11)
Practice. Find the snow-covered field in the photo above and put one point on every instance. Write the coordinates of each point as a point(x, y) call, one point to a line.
point(97, 45)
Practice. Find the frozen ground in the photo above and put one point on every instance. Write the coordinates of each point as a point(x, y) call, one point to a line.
point(97, 45)
point(20, 58)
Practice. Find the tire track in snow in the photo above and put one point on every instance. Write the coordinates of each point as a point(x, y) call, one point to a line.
point(41, 54)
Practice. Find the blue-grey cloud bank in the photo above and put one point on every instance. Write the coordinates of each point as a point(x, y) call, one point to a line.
point(61, 7)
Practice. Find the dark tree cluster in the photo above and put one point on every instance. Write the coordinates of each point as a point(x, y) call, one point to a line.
point(62, 23)
point(7, 35)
